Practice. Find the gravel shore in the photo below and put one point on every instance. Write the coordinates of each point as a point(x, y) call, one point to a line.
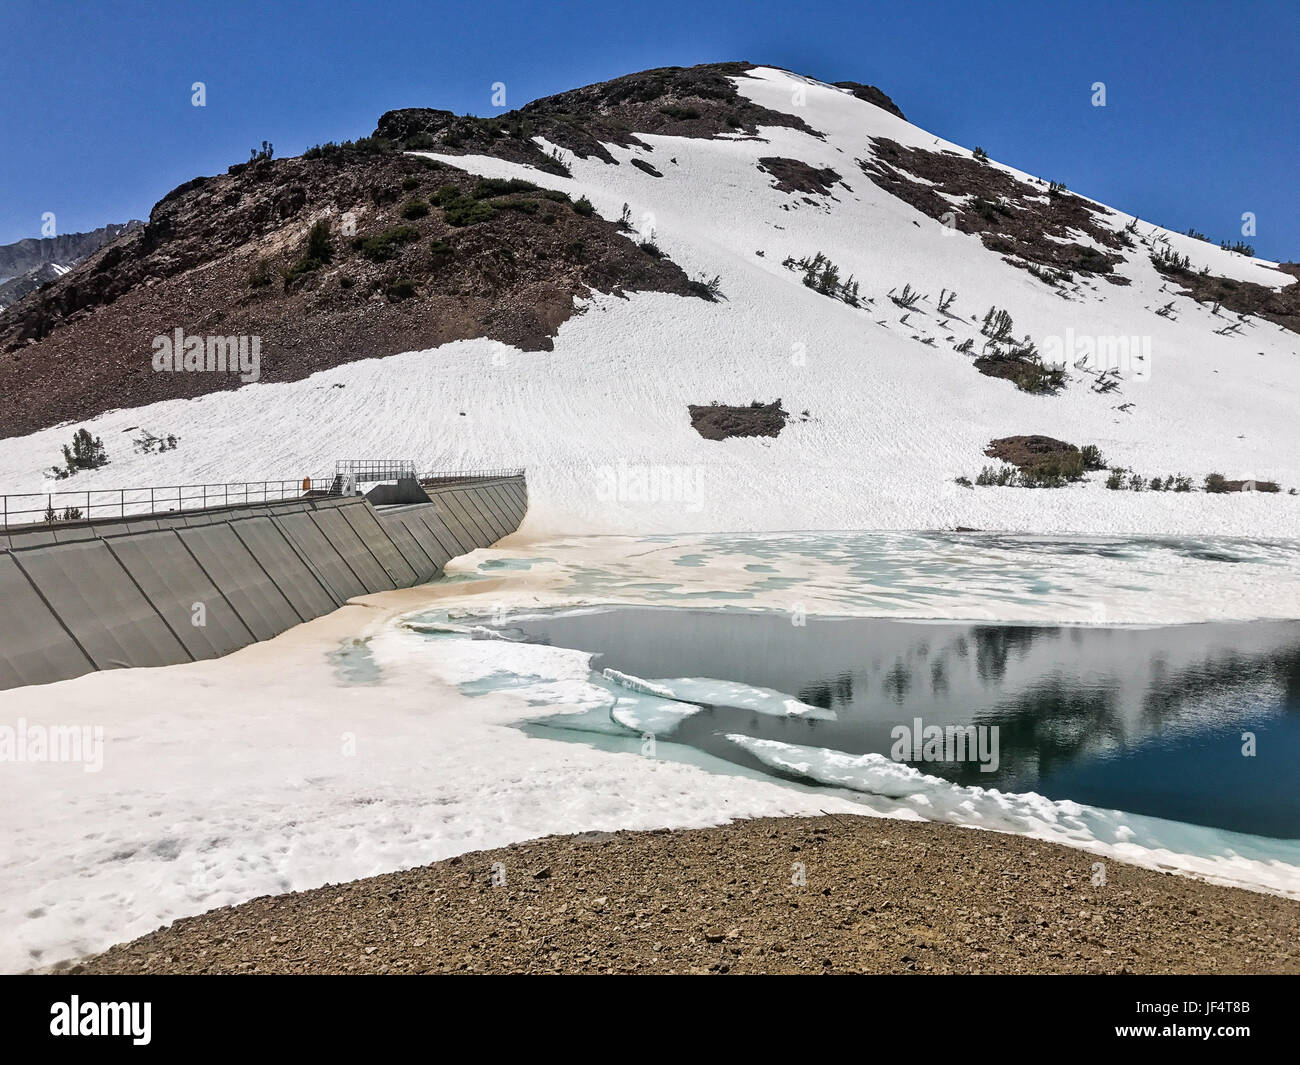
point(878, 896)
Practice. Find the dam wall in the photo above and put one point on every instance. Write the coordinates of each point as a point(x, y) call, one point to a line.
point(167, 588)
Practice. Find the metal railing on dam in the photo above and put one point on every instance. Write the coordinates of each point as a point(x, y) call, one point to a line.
point(436, 477)
point(91, 503)
point(172, 583)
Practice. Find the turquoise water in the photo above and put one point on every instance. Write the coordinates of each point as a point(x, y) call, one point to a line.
point(1102, 580)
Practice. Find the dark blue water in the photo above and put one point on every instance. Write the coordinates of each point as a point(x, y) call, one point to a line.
point(1148, 720)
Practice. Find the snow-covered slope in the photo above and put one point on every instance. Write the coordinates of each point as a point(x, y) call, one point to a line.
point(602, 422)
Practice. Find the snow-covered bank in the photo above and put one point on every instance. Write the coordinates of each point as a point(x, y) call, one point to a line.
point(332, 752)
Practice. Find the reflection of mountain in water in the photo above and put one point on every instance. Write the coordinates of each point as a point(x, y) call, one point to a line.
point(1061, 697)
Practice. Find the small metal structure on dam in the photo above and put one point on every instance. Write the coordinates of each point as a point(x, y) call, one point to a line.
point(104, 579)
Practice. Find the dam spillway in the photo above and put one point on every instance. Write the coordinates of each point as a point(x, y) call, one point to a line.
point(164, 588)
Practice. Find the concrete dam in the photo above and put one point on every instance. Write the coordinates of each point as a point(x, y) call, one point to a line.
point(156, 585)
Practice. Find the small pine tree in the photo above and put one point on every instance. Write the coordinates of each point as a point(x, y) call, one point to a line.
point(829, 281)
point(907, 299)
point(1092, 457)
point(319, 244)
point(86, 453)
point(997, 326)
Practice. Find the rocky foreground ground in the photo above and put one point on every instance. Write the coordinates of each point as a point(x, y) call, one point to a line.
point(794, 895)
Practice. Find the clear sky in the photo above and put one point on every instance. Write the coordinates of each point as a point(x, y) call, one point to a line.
point(1200, 122)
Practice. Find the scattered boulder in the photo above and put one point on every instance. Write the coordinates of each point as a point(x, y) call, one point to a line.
point(646, 168)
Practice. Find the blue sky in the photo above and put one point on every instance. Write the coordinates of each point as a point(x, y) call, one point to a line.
point(1200, 123)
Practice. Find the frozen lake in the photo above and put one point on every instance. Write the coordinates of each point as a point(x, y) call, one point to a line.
point(1151, 720)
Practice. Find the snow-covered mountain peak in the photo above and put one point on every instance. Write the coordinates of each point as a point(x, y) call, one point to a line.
point(573, 287)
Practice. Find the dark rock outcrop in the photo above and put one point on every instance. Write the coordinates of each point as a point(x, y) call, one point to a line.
point(717, 421)
point(418, 255)
point(1025, 223)
point(360, 250)
point(700, 101)
point(794, 175)
point(872, 95)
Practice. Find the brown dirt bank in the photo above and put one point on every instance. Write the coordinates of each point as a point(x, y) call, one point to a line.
point(880, 897)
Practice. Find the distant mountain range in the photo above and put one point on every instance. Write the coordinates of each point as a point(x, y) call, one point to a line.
point(28, 264)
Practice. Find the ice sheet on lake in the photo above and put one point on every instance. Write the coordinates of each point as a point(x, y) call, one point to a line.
point(709, 691)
